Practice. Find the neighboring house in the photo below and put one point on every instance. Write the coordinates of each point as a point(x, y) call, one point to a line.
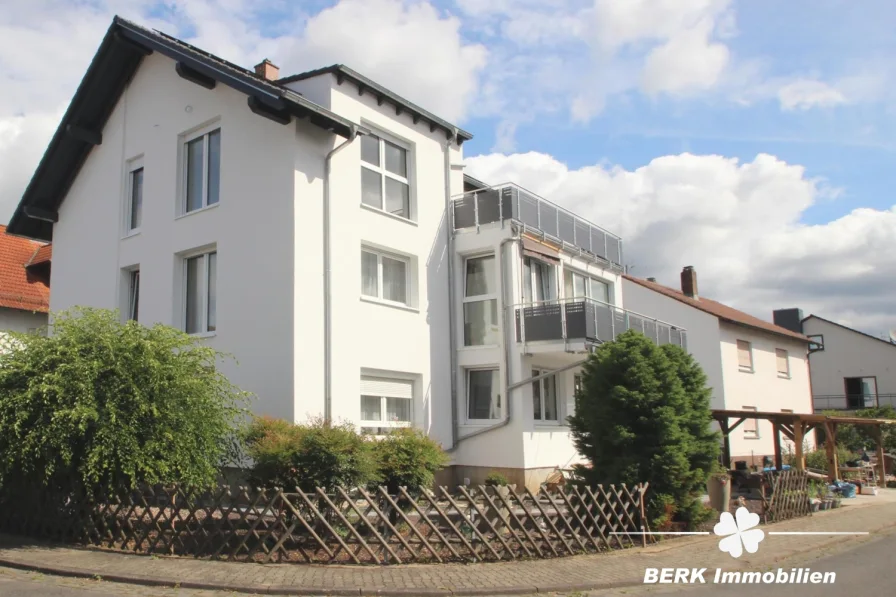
point(751, 364)
point(360, 279)
point(24, 283)
point(850, 369)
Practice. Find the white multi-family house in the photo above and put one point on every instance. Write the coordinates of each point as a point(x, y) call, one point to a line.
point(751, 364)
point(851, 370)
point(320, 228)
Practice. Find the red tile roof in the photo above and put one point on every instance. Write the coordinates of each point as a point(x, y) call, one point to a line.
point(19, 288)
point(723, 312)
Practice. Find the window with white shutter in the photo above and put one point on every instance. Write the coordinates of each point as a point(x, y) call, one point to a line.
point(744, 355)
point(386, 403)
point(783, 363)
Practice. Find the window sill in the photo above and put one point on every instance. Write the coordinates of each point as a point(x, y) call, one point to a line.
point(131, 233)
point(745, 370)
point(479, 347)
point(782, 376)
point(196, 211)
point(399, 306)
point(752, 437)
point(203, 335)
point(481, 423)
point(551, 426)
point(387, 214)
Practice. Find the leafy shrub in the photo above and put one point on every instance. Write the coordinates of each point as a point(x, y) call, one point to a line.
point(407, 457)
point(643, 416)
point(318, 454)
point(496, 480)
point(818, 459)
point(98, 404)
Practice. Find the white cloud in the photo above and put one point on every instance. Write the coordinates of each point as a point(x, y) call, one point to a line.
point(803, 94)
point(737, 222)
point(408, 47)
point(46, 46)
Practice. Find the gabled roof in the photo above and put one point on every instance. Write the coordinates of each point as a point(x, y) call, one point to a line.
point(20, 288)
point(723, 312)
point(849, 329)
point(117, 59)
point(344, 73)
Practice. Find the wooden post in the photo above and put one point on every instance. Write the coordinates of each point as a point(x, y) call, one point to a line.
point(776, 429)
point(798, 456)
point(881, 463)
point(726, 443)
point(830, 446)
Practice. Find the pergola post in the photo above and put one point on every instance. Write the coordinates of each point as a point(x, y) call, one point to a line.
point(799, 460)
point(878, 436)
point(776, 429)
point(830, 446)
point(726, 443)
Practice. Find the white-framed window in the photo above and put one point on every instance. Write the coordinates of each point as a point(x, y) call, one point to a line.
point(544, 397)
point(751, 426)
point(783, 363)
point(480, 301)
point(385, 276)
point(200, 293)
point(134, 197)
point(133, 295)
point(744, 355)
point(201, 170)
point(483, 394)
point(385, 176)
point(578, 286)
point(386, 403)
point(538, 281)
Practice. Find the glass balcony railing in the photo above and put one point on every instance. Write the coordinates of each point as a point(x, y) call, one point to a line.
point(511, 202)
point(588, 320)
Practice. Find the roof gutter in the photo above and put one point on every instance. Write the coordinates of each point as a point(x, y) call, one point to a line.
point(328, 316)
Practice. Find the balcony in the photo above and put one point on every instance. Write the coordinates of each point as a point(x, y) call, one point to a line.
point(588, 321)
point(852, 401)
point(535, 214)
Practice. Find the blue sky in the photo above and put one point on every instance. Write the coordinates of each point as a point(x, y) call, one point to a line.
point(751, 139)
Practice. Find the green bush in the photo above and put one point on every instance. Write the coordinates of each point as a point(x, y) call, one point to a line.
point(856, 437)
point(318, 454)
point(643, 416)
point(818, 459)
point(408, 458)
point(97, 404)
point(496, 480)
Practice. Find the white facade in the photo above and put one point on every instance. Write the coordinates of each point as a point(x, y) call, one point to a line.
point(852, 370)
point(196, 212)
point(713, 342)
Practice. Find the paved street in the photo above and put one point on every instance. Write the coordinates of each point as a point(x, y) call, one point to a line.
point(862, 566)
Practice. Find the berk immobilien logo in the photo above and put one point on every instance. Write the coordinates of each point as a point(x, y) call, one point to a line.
point(738, 534)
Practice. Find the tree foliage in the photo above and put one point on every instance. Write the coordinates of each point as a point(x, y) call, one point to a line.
point(643, 415)
point(855, 438)
point(99, 404)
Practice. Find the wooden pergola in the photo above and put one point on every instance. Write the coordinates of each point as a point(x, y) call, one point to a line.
point(795, 426)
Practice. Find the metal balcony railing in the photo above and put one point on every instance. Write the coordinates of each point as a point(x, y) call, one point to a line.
point(588, 320)
point(852, 401)
point(512, 202)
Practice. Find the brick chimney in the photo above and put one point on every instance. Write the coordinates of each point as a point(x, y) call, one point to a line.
point(267, 70)
point(689, 282)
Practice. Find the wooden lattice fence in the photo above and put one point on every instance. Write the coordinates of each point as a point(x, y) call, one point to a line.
point(789, 495)
point(358, 526)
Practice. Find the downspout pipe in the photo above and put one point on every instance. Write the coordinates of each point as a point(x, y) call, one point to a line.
point(328, 316)
point(505, 347)
point(452, 302)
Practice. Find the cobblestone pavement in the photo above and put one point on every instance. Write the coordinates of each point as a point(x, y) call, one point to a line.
point(580, 573)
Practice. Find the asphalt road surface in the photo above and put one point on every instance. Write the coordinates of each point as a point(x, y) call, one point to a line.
point(862, 567)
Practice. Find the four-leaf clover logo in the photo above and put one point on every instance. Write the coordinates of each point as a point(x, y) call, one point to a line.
point(739, 534)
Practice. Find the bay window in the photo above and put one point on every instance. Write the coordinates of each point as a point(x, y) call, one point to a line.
point(483, 394)
point(544, 397)
point(579, 286)
point(480, 301)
